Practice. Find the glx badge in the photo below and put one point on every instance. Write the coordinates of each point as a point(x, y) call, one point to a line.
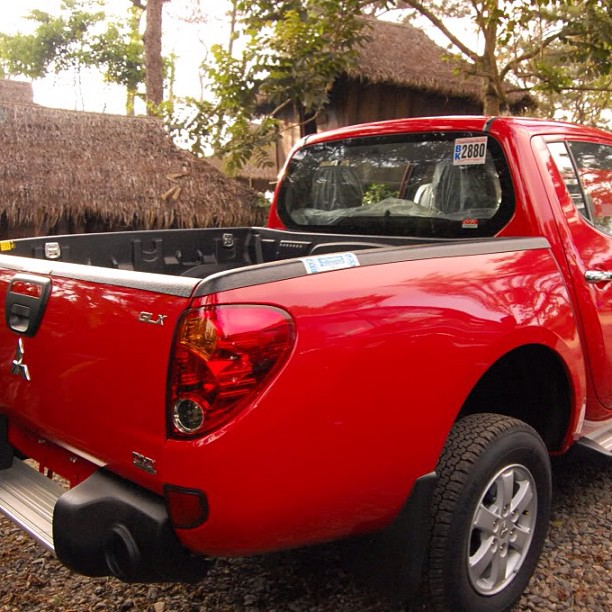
point(18, 368)
point(149, 317)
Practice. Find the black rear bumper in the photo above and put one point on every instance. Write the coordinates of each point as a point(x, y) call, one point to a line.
point(108, 526)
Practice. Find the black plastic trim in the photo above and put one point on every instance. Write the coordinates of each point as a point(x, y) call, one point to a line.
point(108, 526)
point(6, 450)
point(487, 126)
point(285, 270)
point(23, 313)
point(260, 255)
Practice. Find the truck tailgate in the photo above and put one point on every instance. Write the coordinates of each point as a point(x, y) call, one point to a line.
point(92, 377)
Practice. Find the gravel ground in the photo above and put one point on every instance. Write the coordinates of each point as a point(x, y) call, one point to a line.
point(575, 572)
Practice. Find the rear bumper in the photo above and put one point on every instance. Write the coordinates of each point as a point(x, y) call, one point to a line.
point(108, 526)
point(104, 526)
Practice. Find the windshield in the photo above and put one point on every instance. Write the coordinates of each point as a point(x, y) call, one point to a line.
point(432, 185)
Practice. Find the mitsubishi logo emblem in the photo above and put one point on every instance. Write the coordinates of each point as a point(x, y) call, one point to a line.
point(19, 368)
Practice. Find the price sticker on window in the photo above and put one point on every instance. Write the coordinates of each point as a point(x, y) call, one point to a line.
point(470, 151)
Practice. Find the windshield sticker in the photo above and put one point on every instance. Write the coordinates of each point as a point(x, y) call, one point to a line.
point(326, 263)
point(470, 151)
point(469, 224)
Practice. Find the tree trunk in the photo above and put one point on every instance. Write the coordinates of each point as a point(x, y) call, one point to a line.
point(492, 103)
point(494, 87)
point(154, 69)
point(130, 102)
point(308, 121)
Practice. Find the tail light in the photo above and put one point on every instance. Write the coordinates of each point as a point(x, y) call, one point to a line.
point(223, 356)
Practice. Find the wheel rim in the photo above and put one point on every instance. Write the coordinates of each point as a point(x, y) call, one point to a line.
point(502, 529)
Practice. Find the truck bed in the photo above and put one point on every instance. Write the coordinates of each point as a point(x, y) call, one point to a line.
point(191, 252)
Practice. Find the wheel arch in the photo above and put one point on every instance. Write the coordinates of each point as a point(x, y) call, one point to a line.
point(530, 383)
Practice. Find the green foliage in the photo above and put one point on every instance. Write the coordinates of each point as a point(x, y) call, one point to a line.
point(587, 33)
point(545, 47)
point(301, 45)
point(377, 192)
point(196, 124)
point(59, 43)
point(571, 75)
point(79, 37)
point(119, 50)
point(291, 53)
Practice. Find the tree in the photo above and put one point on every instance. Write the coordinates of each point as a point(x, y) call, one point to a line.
point(282, 54)
point(572, 79)
point(74, 40)
point(154, 65)
point(531, 43)
point(120, 53)
point(59, 42)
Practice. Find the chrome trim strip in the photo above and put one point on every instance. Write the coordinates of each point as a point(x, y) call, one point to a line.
point(145, 281)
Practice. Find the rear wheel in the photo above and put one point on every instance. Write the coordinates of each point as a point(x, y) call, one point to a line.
point(490, 514)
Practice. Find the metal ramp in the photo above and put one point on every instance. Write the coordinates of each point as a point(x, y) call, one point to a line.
point(27, 498)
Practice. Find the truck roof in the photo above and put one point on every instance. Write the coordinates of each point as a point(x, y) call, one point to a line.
point(465, 123)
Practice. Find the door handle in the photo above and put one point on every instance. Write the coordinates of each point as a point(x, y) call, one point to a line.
point(26, 300)
point(597, 276)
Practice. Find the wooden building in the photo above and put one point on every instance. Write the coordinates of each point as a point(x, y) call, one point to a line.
point(400, 72)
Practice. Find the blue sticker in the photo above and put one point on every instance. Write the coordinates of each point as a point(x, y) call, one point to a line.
point(457, 155)
point(326, 263)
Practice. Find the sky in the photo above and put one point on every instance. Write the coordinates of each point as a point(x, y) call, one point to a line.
point(87, 91)
point(187, 41)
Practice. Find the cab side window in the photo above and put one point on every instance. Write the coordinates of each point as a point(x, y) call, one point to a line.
point(586, 168)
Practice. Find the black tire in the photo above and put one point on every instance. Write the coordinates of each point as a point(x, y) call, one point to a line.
point(482, 554)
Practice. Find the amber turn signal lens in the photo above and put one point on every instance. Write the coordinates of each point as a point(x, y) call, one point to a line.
point(223, 357)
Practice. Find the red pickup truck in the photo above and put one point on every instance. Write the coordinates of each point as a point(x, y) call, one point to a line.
point(425, 320)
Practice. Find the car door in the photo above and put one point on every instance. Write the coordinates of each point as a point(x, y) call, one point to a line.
point(585, 167)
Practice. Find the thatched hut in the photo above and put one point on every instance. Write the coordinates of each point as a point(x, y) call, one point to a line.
point(68, 171)
point(403, 73)
point(400, 72)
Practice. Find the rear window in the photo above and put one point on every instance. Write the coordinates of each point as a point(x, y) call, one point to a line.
point(446, 185)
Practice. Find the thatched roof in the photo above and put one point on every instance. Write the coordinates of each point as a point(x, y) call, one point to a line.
point(121, 172)
point(16, 91)
point(402, 55)
point(267, 174)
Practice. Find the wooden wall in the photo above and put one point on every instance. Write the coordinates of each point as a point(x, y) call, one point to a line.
point(353, 102)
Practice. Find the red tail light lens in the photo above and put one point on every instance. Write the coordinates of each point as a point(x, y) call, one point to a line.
point(222, 358)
